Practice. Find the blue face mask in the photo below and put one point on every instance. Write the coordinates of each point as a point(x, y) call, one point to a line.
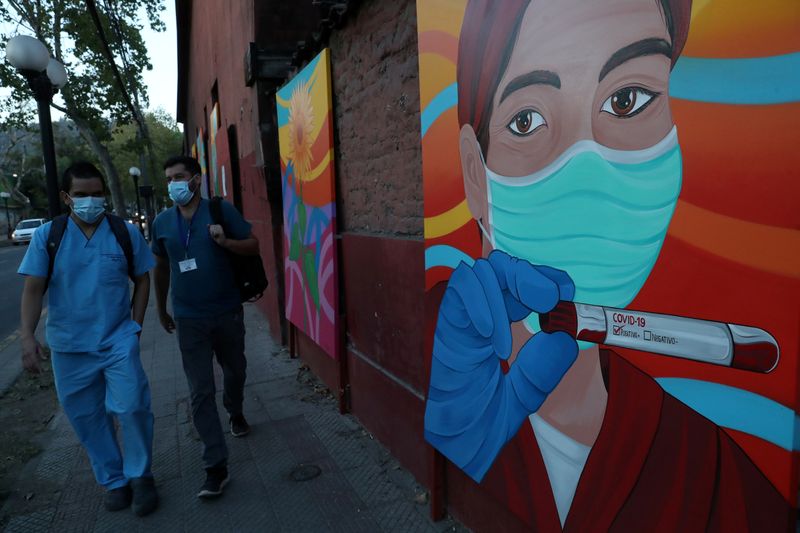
point(599, 214)
point(89, 208)
point(180, 192)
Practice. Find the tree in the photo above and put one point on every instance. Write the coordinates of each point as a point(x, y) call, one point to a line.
point(93, 99)
point(126, 148)
point(22, 166)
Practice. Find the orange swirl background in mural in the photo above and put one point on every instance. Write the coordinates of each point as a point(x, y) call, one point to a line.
point(734, 242)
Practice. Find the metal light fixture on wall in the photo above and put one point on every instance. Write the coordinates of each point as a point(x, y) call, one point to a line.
point(45, 76)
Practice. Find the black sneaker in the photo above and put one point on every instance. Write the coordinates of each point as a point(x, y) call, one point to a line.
point(239, 426)
point(118, 499)
point(216, 479)
point(145, 497)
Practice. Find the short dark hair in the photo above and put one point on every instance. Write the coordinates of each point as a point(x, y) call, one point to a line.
point(82, 170)
point(189, 163)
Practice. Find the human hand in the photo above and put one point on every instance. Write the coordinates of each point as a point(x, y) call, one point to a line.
point(217, 233)
point(474, 408)
point(32, 355)
point(166, 321)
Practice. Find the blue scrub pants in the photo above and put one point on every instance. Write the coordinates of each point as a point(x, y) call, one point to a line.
point(95, 387)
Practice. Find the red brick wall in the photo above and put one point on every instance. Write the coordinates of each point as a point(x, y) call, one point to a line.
point(379, 190)
point(378, 161)
point(376, 102)
point(257, 211)
point(379, 174)
point(220, 34)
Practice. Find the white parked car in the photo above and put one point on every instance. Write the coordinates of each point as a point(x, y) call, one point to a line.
point(25, 229)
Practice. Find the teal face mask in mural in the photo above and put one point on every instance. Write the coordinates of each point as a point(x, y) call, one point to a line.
point(599, 214)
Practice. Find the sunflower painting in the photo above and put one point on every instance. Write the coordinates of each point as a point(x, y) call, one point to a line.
point(309, 209)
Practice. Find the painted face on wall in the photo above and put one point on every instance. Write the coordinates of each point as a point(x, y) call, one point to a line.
point(580, 168)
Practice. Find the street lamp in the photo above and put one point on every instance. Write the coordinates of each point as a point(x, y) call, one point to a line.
point(45, 77)
point(135, 173)
point(5, 196)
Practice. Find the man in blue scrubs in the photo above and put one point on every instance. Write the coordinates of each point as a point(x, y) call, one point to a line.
point(93, 331)
point(192, 255)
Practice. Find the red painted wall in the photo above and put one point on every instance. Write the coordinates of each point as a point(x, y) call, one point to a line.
point(380, 213)
point(220, 34)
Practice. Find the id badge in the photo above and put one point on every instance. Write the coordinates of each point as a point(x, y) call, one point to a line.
point(188, 265)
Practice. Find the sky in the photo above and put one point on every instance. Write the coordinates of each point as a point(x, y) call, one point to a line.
point(162, 81)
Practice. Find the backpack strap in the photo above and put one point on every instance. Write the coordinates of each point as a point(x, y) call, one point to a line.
point(57, 228)
point(215, 207)
point(120, 230)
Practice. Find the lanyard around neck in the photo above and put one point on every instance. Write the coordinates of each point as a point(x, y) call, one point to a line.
point(184, 232)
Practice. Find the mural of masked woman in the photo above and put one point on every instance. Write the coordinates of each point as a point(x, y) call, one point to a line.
point(572, 170)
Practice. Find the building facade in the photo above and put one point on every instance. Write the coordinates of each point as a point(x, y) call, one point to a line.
point(393, 68)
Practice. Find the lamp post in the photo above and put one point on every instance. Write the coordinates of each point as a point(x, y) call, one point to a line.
point(45, 77)
point(5, 196)
point(135, 173)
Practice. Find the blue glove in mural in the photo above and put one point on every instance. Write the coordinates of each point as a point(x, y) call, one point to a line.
point(474, 408)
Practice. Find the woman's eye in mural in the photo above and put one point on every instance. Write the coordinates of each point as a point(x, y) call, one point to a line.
point(628, 101)
point(526, 122)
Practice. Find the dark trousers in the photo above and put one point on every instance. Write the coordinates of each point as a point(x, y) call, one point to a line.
point(199, 339)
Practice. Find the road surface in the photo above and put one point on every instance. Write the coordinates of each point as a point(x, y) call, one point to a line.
point(10, 289)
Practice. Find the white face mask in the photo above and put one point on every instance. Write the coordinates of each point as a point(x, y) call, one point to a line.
point(180, 191)
point(89, 208)
point(599, 214)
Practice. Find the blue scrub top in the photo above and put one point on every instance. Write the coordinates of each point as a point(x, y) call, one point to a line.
point(210, 290)
point(88, 299)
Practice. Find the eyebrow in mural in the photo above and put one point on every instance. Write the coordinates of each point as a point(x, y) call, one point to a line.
point(645, 47)
point(537, 77)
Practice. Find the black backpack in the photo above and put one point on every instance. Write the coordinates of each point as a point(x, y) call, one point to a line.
point(118, 228)
point(248, 269)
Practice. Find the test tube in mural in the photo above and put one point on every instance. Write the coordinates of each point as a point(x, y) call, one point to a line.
point(305, 119)
point(611, 246)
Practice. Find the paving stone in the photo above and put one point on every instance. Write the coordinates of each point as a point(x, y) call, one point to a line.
point(373, 484)
point(301, 439)
point(166, 462)
point(403, 517)
point(56, 464)
point(164, 406)
point(31, 523)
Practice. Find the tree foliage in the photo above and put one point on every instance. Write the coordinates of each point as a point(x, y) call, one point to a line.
point(126, 151)
point(22, 166)
point(92, 98)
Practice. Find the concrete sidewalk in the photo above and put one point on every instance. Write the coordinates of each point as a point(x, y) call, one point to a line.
point(297, 433)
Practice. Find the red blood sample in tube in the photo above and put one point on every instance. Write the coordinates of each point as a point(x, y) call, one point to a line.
point(732, 345)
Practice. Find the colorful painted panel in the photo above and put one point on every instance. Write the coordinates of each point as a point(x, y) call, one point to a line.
point(201, 158)
point(223, 161)
point(309, 208)
point(612, 245)
point(212, 145)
